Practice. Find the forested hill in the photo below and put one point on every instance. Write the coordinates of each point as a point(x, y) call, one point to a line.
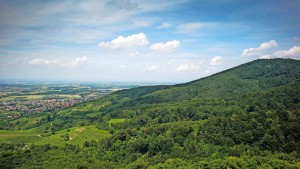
point(249, 79)
point(244, 117)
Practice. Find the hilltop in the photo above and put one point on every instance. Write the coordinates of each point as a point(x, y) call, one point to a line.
point(244, 81)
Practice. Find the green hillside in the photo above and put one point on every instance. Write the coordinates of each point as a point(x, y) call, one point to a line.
point(244, 117)
point(239, 82)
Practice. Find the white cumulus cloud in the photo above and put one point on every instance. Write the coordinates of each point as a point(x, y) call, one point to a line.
point(293, 52)
point(151, 68)
point(139, 39)
point(188, 66)
point(76, 62)
point(216, 61)
point(167, 47)
point(259, 50)
point(40, 61)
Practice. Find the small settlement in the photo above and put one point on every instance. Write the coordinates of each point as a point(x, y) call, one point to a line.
point(37, 106)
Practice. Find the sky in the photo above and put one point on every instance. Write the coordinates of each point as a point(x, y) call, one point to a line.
point(142, 40)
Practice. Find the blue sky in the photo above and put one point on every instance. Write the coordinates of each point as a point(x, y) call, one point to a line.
point(140, 40)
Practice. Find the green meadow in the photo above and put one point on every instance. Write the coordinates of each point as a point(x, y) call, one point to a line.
point(77, 135)
point(27, 136)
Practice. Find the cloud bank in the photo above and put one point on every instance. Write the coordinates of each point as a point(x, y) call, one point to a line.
point(262, 52)
point(293, 52)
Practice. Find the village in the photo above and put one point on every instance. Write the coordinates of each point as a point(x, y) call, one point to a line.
point(25, 98)
point(25, 107)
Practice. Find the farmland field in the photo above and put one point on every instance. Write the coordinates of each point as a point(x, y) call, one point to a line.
point(27, 136)
point(77, 135)
point(38, 97)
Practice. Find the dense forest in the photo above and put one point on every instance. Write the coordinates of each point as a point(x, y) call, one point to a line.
point(244, 117)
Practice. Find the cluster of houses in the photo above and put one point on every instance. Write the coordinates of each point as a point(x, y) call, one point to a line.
point(22, 106)
point(38, 106)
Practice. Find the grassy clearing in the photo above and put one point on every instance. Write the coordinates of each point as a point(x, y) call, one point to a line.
point(78, 135)
point(115, 121)
point(18, 136)
point(26, 122)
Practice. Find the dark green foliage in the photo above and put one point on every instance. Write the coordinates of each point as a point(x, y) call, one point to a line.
point(245, 117)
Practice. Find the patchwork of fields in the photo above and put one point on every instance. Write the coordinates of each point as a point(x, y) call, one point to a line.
point(38, 97)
